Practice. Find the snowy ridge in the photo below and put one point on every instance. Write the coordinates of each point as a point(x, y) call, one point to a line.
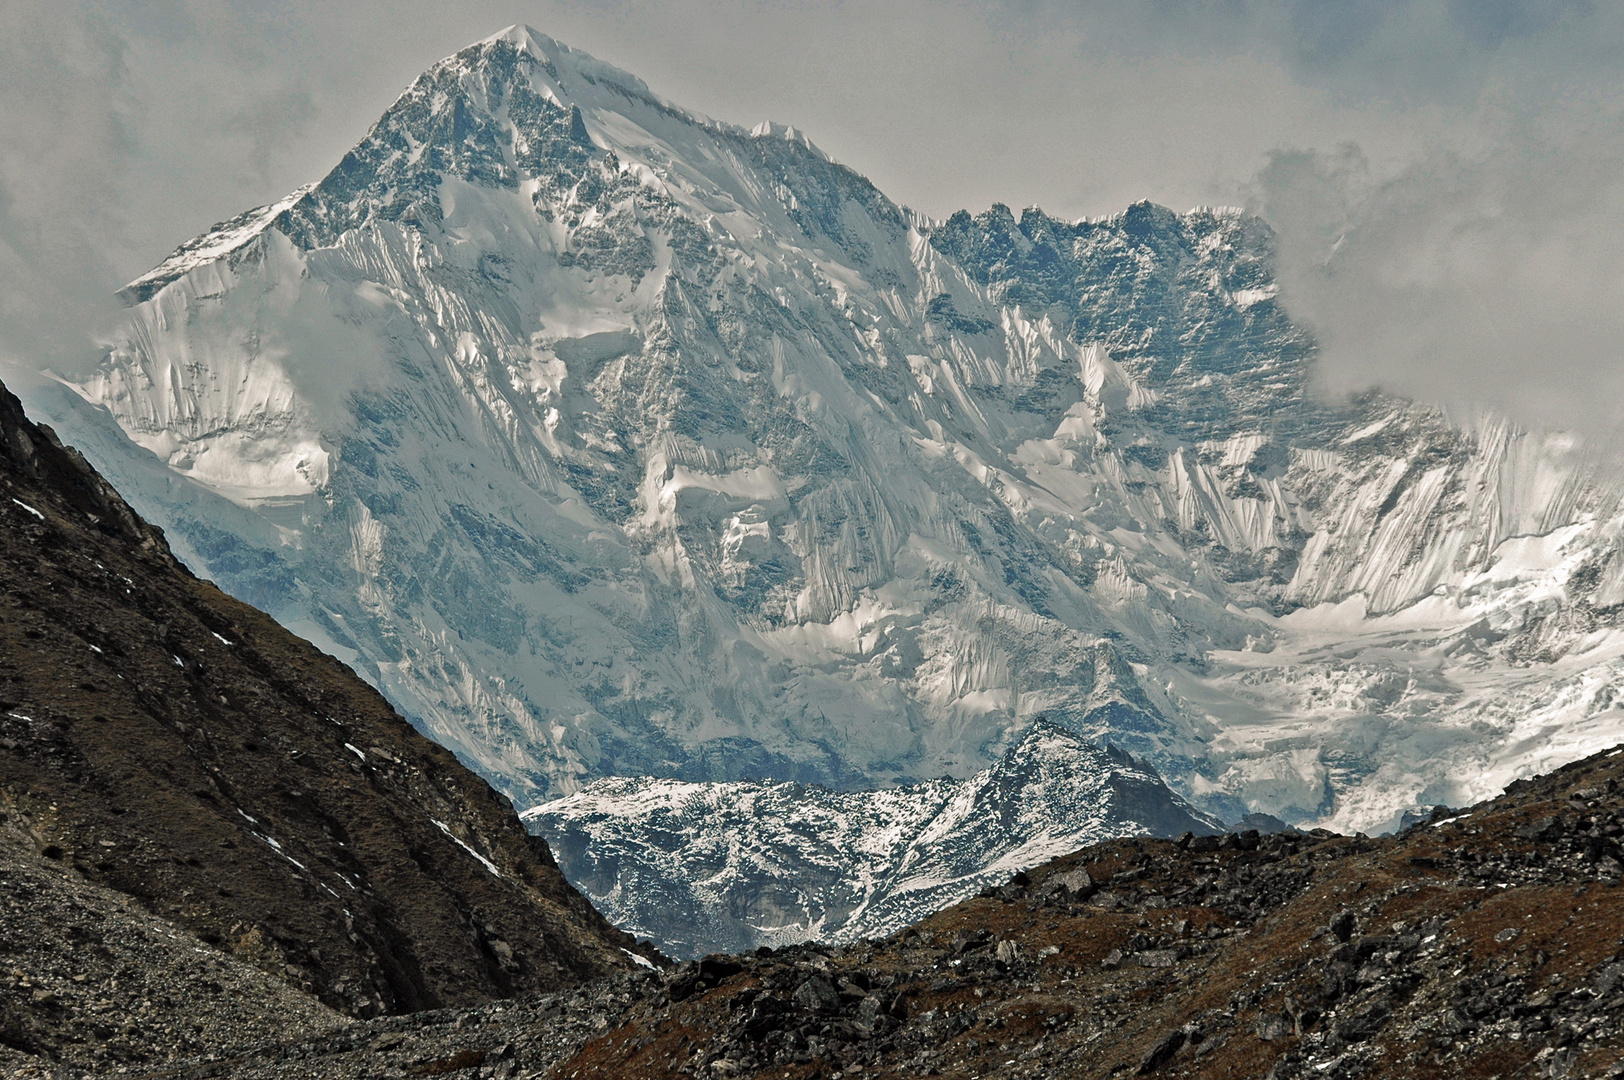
point(610, 441)
point(738, 865)
point(219, 242)
point(553, 74)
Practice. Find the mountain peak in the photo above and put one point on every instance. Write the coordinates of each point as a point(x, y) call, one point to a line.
point(556, 59)
point(619, 443)
point(515, 107)
point(525, 38)
point(506, 108)
point(769, 129)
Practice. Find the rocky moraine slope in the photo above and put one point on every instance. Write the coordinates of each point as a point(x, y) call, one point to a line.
point(1486, 942)
point(209, 830)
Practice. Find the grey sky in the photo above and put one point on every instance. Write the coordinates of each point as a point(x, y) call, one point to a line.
point(1465, 153)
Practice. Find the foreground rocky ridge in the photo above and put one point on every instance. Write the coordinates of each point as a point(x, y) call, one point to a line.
point(1485, 942)
point(175, 765)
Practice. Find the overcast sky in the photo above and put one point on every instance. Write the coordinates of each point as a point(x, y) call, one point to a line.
point(1445, 174)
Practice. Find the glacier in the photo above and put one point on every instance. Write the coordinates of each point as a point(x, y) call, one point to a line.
point(613, 441)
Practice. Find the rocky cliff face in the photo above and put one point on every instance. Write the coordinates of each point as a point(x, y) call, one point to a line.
point(739, 865)
point(608, 440)
point(166, 748)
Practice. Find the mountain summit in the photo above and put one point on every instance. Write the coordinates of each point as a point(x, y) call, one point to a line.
point(506, 112)
point(611, 441)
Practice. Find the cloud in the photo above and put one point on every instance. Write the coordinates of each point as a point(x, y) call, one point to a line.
point(125, 133)
point(1490, 278)
point(1472, 217)
point(61, 149)
point(1480, 268)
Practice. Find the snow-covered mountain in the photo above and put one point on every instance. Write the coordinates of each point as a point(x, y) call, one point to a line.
point(612, 441)
point(736, 865)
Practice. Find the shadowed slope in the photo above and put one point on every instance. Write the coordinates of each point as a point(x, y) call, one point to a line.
point(163, 739)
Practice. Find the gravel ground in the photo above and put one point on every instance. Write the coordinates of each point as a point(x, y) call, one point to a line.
point(90, 980)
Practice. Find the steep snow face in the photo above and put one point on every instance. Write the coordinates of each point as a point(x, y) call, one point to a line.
point(612, 441)
point(702, 867)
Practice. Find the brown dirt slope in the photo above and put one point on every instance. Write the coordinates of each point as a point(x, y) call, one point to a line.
point(168, 742)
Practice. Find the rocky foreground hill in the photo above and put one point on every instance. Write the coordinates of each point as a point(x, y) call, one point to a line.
point(1487, 942)
point(209, 831)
